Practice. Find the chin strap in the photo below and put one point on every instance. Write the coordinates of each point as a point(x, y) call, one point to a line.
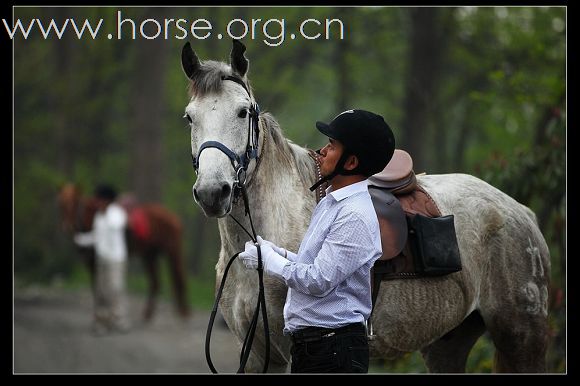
point(338, 169)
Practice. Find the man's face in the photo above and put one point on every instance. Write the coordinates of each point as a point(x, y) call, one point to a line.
point(330, 154)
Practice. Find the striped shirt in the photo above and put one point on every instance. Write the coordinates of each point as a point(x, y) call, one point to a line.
point(329, 281)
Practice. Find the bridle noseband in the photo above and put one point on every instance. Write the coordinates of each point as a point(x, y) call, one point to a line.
point(239, 163)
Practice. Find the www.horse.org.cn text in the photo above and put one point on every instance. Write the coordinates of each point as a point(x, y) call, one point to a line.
point(272, 32)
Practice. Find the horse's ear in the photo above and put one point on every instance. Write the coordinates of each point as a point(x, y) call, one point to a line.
point(189, 61)
point(238, 60)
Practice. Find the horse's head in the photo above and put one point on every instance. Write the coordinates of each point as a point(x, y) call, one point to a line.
point(220, 113)
point(68, 199)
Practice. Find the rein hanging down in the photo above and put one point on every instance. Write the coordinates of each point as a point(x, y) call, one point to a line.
point(240, 165)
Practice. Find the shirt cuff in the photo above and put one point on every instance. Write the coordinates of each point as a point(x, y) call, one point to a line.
point(276, 264)
point(291, 256)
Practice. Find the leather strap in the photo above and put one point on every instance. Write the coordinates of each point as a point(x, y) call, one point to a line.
point(320, 188)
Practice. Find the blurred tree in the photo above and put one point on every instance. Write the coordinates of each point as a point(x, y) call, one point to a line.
point(342, 49)
point(147, 113)
point(426, 53)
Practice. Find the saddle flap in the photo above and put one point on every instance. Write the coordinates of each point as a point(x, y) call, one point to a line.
point(392, 222)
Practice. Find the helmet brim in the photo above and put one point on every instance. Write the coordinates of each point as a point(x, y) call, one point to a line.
point(325, 129)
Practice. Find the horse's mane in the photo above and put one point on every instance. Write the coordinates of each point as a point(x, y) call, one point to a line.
point(208, 80)
point(296, 156)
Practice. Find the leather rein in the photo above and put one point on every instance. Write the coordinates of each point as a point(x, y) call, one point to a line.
point(240, 165)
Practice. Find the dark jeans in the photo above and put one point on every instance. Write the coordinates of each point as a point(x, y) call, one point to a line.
point(317, 350)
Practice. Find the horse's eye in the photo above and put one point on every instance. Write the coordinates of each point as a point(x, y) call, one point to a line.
point(186, 116)
point(243, 113)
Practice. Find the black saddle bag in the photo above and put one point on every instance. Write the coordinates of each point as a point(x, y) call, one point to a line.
point(434, 246)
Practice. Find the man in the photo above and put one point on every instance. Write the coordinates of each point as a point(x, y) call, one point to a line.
point(329, 294)
point(108, 238)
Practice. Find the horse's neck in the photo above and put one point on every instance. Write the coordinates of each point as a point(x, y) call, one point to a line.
point(84, 214)
point(279, 199)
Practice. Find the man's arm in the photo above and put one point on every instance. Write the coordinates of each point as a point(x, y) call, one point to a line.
point(86, 239)
point(347, 247)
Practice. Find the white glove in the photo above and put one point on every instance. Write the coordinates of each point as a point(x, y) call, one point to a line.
point(273, 262)
point(279, 250)
point(84, 239)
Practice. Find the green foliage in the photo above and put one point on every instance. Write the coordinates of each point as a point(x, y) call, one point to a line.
point(410, 363)
point(480, 358)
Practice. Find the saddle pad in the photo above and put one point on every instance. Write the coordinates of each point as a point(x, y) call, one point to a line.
point(139, 224)
point(419, 201)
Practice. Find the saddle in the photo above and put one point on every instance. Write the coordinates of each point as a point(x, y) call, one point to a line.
point(397, 199)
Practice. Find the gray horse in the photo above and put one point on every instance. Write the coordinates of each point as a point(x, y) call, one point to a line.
point(506, 263)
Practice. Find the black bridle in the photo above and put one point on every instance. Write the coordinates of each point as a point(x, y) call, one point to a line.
point(240, 165)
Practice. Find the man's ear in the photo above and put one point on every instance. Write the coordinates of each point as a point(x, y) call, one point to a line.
point(351, 162)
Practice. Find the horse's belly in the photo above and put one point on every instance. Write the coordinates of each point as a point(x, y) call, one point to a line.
point(413, 313)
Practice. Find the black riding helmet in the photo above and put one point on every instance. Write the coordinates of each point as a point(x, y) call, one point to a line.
point(106, 192)
point(363, 134)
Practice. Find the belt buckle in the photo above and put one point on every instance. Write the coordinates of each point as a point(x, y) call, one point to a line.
point(329, 334)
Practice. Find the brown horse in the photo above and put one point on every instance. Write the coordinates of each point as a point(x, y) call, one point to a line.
point(152, 231)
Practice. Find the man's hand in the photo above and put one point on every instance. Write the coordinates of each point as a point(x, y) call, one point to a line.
point(250, 255)
point(273, 262)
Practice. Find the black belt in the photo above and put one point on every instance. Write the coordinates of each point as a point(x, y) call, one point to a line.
point(312, 334)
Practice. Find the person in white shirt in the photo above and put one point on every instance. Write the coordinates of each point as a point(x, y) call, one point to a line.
point(108, 239)
point(328, 279)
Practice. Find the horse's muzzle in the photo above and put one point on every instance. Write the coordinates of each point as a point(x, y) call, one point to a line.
point(215, 200)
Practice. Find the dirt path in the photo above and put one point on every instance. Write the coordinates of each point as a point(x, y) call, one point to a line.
point(52, 335)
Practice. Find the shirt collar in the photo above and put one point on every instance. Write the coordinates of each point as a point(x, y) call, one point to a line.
point(348, 190)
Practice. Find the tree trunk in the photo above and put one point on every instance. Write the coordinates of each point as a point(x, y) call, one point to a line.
point(147, 108)
point(62, 102)
point(343, 72)
point(424, 72)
